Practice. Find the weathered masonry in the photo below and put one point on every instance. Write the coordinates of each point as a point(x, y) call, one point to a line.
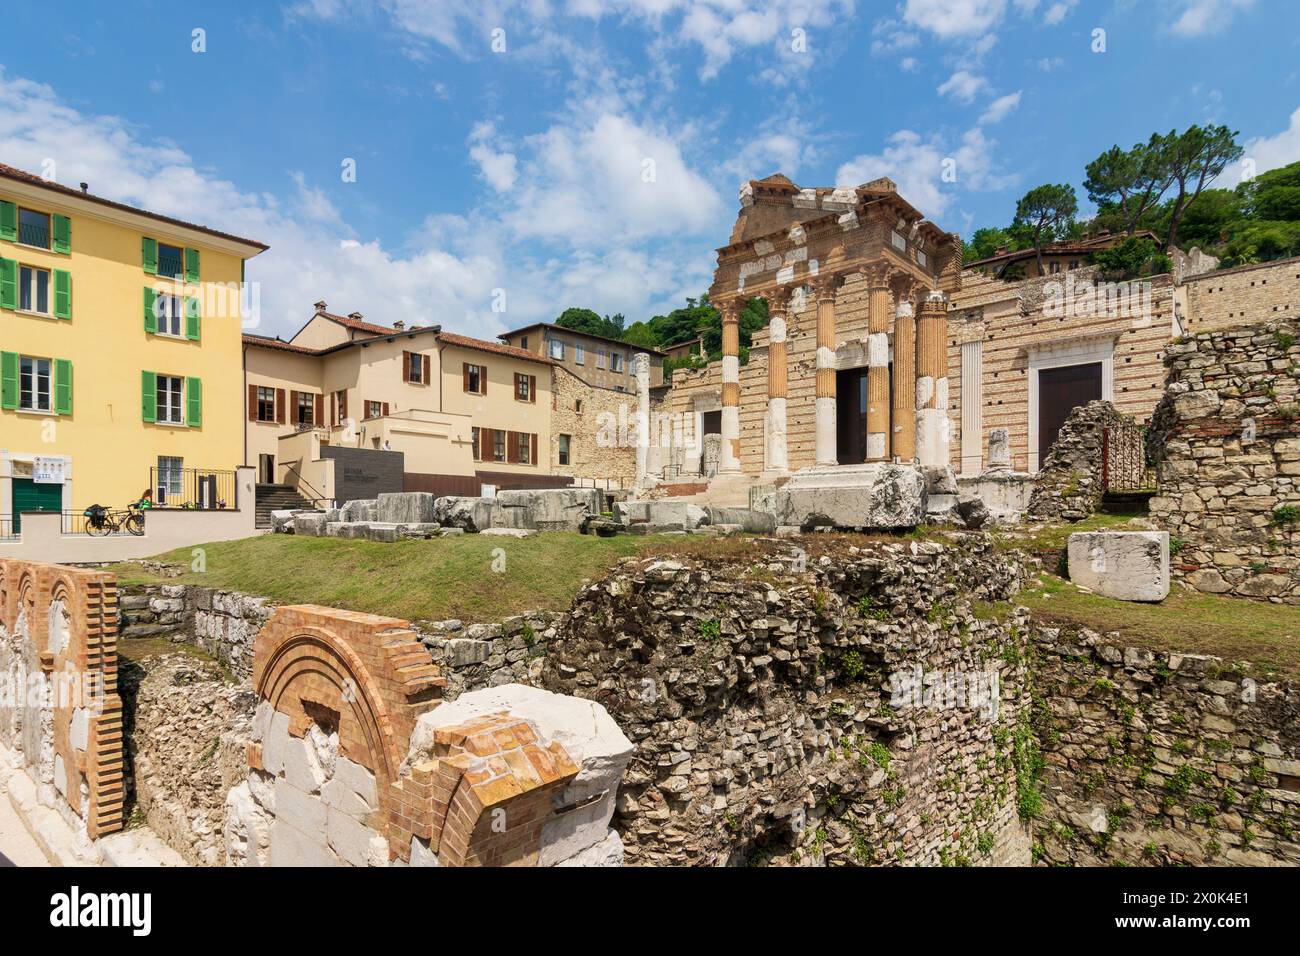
point(845, 272)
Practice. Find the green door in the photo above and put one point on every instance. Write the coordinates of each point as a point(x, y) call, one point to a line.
point(29, 496)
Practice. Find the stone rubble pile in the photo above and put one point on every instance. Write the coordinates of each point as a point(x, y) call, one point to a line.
point(1069, 484)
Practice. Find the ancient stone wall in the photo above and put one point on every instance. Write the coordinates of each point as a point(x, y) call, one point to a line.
point(1232, 297)
point(847, 705)
point(1162, 758)
point(1226, 439)
point(190, 726)
point(58, 652)
point(221, 623)
point(599, 423)
point(1071, 482)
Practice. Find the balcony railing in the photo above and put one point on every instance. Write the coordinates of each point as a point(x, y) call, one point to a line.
point(170, 264)
point(203, 489)
point(34, 234)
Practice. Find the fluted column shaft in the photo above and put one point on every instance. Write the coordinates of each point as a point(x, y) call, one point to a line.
point(932, 382)
point(729, 459)
point(904, 412)
point(778, 456)
point(824, 289)
point(880, 310)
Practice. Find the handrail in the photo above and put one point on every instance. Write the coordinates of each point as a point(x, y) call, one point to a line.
point(317, 496)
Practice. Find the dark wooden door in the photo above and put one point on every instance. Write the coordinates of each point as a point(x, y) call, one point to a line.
point(1060, 391)
point(851, 416)
point(712, 422)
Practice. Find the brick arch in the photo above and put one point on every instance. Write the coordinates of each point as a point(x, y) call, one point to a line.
point(313, 664)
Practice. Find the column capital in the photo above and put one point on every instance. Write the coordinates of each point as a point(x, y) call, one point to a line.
point(907, 288)
point(730, 308)
point(878, 275)
point(825, 285)
point(778, 300)
point(935, 303)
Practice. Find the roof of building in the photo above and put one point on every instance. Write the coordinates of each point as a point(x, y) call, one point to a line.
point(1091, 244)
point(589, 335)
point(464, 341)
point(267, 342)
point(19, 175)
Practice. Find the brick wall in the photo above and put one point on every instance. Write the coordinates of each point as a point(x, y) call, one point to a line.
point(1247, 294)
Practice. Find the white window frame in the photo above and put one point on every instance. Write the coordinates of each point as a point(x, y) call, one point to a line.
point(164, 409)
point(167, 323)
point(32, 370)
point(616, 361)
point(555, 349)
point(579, 354)
point(30, 287)
point(170, 472)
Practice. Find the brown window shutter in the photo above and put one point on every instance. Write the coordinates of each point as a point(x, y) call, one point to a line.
point(343, 402)
point(532, 388)
point(320, 410)
point(482, 379)
point(532, 459)
point(385, 408)
point(486, 444)
point(279, 406)
point(334, 411)
point(252, 403)
point(464, 375)
point(512, 448)
point(406, 366)
point(428, 372)
point(293, 407)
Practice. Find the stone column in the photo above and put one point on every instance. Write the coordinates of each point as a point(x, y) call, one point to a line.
point(778, 457)
point(641, 371)
point(880, 308)
point(695, 449)
point(729, 462)
point(932, 382)
point(824, 288)
point(904, 411)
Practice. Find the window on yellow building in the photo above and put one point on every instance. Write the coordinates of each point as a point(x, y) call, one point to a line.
point(34, 228)
point(168, 309)
point(171, 403)
point(498, 445)
point(171, 261)
point(34, 290)
point(34, 384)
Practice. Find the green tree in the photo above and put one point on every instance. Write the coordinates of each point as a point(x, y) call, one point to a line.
point(986, 242)
point(585, 320)
point(1136, 256)
point(1195, 159)
point(1048, 212)
point(1129, 182)
point(1212, 219)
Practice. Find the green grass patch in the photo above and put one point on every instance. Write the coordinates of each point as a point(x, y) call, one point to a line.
point(1186, 622)
point(424, 580)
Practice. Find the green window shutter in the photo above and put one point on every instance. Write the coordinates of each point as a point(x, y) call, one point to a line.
point(191, 265)
point(149, 255)
point(8, 379)
point(62, 387)
point(150, 311)
point(192, 320)
point(62, 294)
point(62, 234)
point(8, 221)
point(8, 283)
point(149, 396)
point(193, 402)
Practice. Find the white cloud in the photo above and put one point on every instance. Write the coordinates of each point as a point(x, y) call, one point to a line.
point(918, 165)
point(1198, 17)
point(962, 86)
point(1058, 11)
point(593, 181)
point(1000, 108)
point(952, 19)
point(1265, 153)
point(497, 168)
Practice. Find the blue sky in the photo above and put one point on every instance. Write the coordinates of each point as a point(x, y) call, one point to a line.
point(515, 157)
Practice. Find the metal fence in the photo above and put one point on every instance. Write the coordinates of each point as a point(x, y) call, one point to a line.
point(1123, 457)
point(194, 488)
point(7, 531)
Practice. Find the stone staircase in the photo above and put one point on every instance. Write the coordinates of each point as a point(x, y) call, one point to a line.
point(276, 498)
point(724, 491)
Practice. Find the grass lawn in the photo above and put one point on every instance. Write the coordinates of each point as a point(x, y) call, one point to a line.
point(422, 580)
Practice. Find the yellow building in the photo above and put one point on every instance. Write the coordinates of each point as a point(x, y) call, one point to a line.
point(120, 335)
point(463, 412)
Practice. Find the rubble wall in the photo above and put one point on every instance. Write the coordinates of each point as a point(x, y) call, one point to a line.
point(773, 712)
point(1226, 439)
point(1162, 759)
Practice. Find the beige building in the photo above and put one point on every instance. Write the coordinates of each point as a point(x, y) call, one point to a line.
point(462, 411)
point(605, 363)
point(1058, 257)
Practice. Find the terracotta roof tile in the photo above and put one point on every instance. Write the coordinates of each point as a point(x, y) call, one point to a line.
point(262, 341)
point(19, 175)
point(464, 341)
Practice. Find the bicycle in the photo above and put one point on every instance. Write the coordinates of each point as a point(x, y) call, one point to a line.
point(101, 522)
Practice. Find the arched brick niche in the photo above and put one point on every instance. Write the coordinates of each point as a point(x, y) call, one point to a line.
point(60, 627)
point(351, 764)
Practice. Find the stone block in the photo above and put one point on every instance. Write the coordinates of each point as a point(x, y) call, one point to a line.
point(509, 532)
point(546, 509)
point(465, 513)
point(406, 507)
point(359, 509)
point(291, 847)
point(750, 522)
point(884, 496)
point(303, 811)
point(382, 531)
point(275, 743)
point(310, 523)
point(662, 514)
point(355, 843)
point(1125, 565)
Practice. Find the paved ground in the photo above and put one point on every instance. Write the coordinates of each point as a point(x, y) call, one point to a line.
point(17, 848)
